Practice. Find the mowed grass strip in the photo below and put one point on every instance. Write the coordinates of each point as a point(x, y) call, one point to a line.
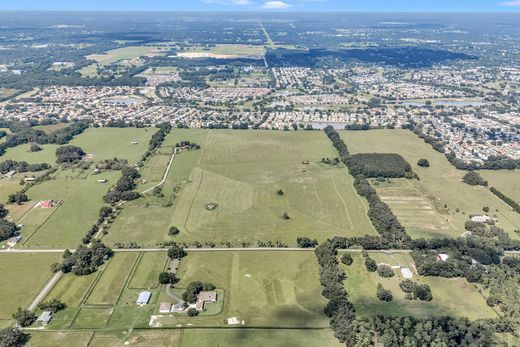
point(265, 289)
point(23, 275)
point(92, 318)
point(71, 289)
point(258, 338)
point(451, 296)
point(59, 339)
point(113, 279)
point(241, 172)
point(147, 272)
point(141, 338)
point(441, 183)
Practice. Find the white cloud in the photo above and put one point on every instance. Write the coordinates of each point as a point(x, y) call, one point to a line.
point(275, 5)
point(513, 3)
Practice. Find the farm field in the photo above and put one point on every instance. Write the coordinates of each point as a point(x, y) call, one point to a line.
point(81, 200)
point(22, 153)
point(9, 186)
point(440, 185)
point(23, 274)
point(223, 51)
point(284, 288)
point(145, 276)
point(58, 339)
point(454, 297)
point(129, 52)
point(507, 181)
point(258, 338)
point(241, 172)
point(100, 144)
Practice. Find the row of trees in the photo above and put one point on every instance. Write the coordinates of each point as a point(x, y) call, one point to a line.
point(25, 133)
point(514, 205)
point(124, 188)
point(21, 166)
point(85, 260)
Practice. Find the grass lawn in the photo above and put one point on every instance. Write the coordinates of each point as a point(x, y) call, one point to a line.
point(507, 181)
point(258, 338)
point(108, 143)
point(34, 218)
point(92, 318)
point(23, 275)
point(139, 338)
point(241, 173)
point(59, 339)
point(81, 200)
point(264, 289)
point(8, 187)
point(440, 184)
point(113, 279)
point(147, 272)
point(454, 297)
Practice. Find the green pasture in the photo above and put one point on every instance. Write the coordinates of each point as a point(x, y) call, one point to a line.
point(265, 289)
point(23, 275)
point(146, 273)
point(22, 153)
point(241, 173)
point(59, 339)
point(440, 185)
point(506, 181)
point(451, 296)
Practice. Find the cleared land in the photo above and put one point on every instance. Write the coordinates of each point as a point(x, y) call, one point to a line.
point(507, 181)
point(258, 338)
point(440, 196)
point(223, 51)
point(58, 339)
point(241, 172)
point(22, 153)
point(454, 297)
point(23, 274)
point(109, 143)
point(146, 274)
point(264, 289)
point(81, 200)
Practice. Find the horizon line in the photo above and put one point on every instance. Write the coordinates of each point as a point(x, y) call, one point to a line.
point(267, 11)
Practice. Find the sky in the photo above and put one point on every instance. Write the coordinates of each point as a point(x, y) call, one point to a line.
point(268, 5)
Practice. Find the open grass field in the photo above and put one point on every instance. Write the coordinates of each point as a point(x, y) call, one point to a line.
point(258, 338)
point(113, 279)
point(23, 275)
point(265, 289)
point(33, 218)
point(223, 51)
point(454, 297)
point(440, 185)
point(81, 200)
point(51, 127)
point(8, 187)
point(507, 181)
point(241, 173)
point(146, 273)
point(22, 153)
point(108, 143)
point(92, 318)
point(129, 52)
point(72, 289)
point(59, 339)
point(139, 338)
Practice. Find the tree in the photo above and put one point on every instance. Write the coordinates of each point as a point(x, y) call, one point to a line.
point(35, 148)
point(166, 278)
point(423, 163)
point(347, 259)
point(176, 252)
point(305, 242)
point(408, 286)
point(286, 216)
point(69, 154)
point(13, 337)
point(385, 271)
point(423, 292)
point(384, 294)
point(3, 211)
point(370, 264)
point(18, 198)
point(474, 179)
point(485, 209)
point(194, 288)
point(53, 305)
point(193, 312)
point(24, 317)
point(280, 192)
point(173, 230)
point(7, 229)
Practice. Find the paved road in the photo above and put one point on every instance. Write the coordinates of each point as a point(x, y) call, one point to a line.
point(43, 293)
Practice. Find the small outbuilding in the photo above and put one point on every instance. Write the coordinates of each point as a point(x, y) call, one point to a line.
point(406, 272)
point(165, 307)
point(442, 257)
point(143, 298)
point(45, 317)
